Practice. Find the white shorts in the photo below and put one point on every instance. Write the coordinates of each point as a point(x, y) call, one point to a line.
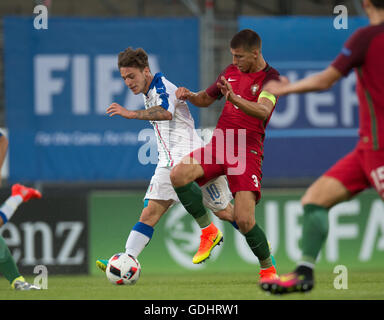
point(216, 193)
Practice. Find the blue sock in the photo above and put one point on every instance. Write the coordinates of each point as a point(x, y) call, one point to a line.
point(235, 225)
point(3, 217)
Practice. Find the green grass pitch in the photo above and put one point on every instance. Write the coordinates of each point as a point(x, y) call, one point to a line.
point(363, 285)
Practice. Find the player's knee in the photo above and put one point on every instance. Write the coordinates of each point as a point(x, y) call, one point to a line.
point(177, 176)
point(306, 199)
point(311, 197)
point(227, 214)
point(224, 215)
point(180, 175)
point(245, 224)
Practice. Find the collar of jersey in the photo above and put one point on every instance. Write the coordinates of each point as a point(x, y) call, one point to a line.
point(156, 77)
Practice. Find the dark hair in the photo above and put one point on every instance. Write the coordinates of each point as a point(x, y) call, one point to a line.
point(133, 58)
point(378, 3)
point(247, 39)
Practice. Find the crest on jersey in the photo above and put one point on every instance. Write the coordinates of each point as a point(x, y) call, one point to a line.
point(254, 89)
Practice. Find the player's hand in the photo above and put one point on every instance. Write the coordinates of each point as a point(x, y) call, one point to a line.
point(116, 109)
point(276, 87)
point(225, 88)
point(183, 93)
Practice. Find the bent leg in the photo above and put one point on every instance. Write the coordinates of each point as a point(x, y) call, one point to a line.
point(226, 214)
point(155, 209)
point(189, 193)
point(326, 192)
point(245, 202)
point(186, 171)
point(183, 177)
point(323, 194)
point(142, 231)
point(217, 197)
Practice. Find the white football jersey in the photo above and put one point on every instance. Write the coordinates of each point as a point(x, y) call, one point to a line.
point(177, 137)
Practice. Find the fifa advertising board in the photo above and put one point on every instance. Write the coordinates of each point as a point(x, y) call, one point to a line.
point(355, 239)
point(315, 129)
point(59, 82)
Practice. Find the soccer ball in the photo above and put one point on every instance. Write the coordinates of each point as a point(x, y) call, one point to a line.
point(122, 269)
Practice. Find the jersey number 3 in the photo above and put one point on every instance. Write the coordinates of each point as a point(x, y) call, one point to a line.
point(255, 180)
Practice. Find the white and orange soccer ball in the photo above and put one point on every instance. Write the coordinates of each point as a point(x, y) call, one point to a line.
point(123, 269)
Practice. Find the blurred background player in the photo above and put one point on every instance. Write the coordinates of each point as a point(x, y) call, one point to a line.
point(20, 194)
point(176, 136)
point(246, 112)
point(360, 169)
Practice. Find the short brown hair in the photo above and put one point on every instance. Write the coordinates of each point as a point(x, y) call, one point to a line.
point(378, 3)
point(136, 58)
point(247, 39)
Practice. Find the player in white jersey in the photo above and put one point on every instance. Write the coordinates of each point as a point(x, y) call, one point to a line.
point(176, 136)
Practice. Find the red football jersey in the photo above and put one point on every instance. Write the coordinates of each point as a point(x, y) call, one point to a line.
point(249, 87)
point(364, 51)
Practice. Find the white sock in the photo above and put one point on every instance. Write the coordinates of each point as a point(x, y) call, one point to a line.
point(9, 207)
point(138, 238)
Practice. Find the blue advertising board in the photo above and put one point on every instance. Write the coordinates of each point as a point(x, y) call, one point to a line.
point(59, 82)
point(308, 132)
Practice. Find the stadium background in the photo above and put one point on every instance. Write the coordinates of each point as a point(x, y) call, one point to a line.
point(56, 84)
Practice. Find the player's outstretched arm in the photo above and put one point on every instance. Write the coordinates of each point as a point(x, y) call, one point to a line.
point(200, 99)
point(316, 82)
point(156, 113)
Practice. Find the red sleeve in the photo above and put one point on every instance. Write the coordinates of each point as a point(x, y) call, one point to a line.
point(353, 53)
point(213, 91)
point(272, 74)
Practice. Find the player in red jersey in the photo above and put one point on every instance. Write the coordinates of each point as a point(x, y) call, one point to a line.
point(360, 169)
point(236, 147)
